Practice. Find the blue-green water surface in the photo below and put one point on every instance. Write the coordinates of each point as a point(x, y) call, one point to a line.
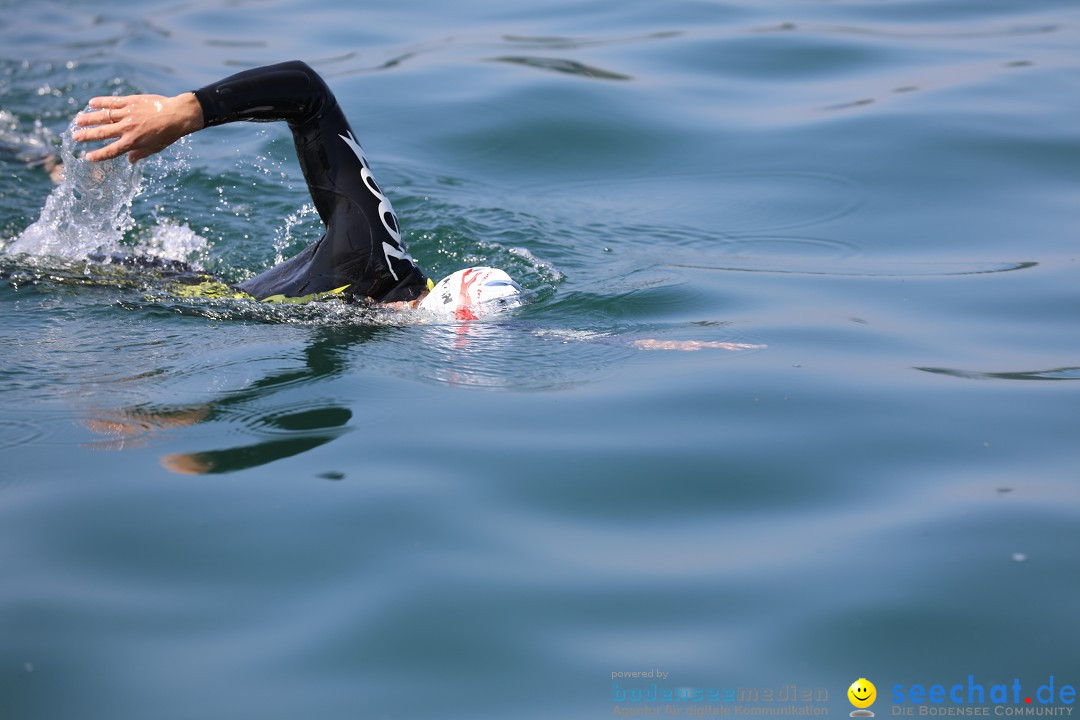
point(217, 510)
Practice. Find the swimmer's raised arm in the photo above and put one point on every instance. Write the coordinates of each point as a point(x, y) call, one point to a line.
point(361, 255)
point(139, 125)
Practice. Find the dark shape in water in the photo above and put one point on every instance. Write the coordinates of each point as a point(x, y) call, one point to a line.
point(883, 268)
point(1064, 373)
point(560, 42)
point(570, 67)
point(277, 433)
point(305, 431)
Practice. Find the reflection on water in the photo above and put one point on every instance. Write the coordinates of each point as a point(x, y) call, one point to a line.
point(290, 434)
point(128, 428)
point(280, 432)
point(479, 354)
point(301, 431)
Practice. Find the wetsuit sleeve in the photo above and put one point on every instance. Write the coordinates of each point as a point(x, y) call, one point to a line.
point(362, 246)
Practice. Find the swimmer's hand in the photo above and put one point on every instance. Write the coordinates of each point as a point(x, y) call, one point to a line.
point(139, 125)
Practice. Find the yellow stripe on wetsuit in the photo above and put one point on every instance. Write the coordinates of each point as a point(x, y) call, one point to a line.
point(216, 290)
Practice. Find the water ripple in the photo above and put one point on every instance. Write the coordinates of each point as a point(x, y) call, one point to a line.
point(570, 67)
point(865, 268)
point(1062, 373)
point(911, 31)
point(556, 42)
point(15, 433)
point(731, 202)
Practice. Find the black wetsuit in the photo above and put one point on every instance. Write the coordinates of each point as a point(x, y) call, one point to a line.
point(362, 247)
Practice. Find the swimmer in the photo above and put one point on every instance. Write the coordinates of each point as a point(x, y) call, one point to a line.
point(361, 256)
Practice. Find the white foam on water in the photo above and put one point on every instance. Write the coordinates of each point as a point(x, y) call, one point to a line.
point(88, 212)
point(283, 236)
point(173, 241)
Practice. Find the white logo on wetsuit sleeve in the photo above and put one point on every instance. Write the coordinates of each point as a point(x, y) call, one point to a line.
point(386, 211)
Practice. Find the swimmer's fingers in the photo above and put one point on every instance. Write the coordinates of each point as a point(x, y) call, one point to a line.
point(87, 119)
point(105, 124)
point(111, 101)
point(108, 109)
point(110, 151)
point(99, 132)
point(140, 124)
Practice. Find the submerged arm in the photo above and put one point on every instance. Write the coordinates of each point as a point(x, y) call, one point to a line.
point(691, 345)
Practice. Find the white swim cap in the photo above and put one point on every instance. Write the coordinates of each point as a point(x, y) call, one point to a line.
point(471, 293)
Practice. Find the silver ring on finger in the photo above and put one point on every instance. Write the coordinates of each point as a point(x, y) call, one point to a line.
point(108, 114)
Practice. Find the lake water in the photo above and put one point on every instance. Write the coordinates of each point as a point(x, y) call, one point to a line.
point(219, 510)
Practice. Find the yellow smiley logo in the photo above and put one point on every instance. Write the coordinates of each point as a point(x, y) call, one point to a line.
point(862, 693)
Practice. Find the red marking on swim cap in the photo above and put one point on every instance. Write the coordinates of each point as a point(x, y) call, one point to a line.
point(463, 312)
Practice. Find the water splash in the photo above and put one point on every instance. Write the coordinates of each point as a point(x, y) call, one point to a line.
point(87, 213)
point(176, 241)
point(285, 236)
